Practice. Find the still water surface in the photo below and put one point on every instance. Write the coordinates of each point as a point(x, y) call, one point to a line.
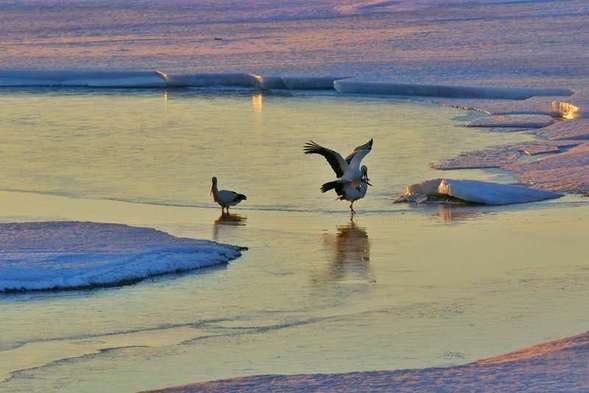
point(399, 287)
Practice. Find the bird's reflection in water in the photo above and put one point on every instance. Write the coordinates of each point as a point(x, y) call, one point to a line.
point(225, 224)
point(350, 254)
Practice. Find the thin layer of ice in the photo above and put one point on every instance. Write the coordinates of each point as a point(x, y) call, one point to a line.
point(66, 255)
point(403, 89)
point(138, 79)
point(272, 82)
point(146, 79)
point(212, 80)
point(310, 83)
point(512, 121)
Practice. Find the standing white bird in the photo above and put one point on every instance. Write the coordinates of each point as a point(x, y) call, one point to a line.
point(225, 198)
point(352, 182)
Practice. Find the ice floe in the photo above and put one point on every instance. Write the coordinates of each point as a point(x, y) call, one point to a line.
point(66, 255)
point(472, 191)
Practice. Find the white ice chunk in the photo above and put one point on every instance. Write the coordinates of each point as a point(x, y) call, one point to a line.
point(473, 191)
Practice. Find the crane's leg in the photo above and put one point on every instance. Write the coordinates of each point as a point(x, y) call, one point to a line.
point(352, 208)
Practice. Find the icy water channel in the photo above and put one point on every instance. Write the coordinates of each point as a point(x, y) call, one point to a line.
point(399, 287)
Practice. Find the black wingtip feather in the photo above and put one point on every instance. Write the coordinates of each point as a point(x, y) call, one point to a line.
point(311, 147)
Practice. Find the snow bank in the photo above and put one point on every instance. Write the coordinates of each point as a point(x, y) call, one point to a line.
point(66, 255)
point(473, 191)
point(400, 89)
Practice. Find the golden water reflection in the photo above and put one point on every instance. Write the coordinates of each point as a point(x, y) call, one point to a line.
point(257, 103)
point(226, 223)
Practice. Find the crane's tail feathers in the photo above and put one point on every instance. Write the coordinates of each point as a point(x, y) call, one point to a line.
point(328, 186)
point(241, 197)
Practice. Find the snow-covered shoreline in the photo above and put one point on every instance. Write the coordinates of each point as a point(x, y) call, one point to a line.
point(555, 366)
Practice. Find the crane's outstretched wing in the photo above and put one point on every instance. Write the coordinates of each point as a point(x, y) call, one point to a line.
point(336, 161)
point(365, 149)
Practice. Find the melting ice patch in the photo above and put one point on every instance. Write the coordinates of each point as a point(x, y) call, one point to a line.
point(66, 255)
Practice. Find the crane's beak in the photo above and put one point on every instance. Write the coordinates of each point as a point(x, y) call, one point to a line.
point(368, 182)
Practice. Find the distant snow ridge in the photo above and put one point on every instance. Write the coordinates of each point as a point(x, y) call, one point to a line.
point(342, 84)
point(160, 79)
point(68, 255)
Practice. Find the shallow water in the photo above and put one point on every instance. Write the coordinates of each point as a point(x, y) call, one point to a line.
point(400, 287)
point(164, 147)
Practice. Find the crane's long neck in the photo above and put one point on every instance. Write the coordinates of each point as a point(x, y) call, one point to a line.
point(215, 191)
